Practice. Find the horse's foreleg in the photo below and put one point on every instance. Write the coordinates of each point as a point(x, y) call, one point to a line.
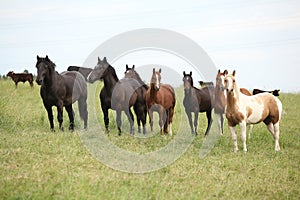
point(161, 119)
point(243, 127)
point(105, 117)
point(166, 115)
point(150, 113)
point(50, 117)
point(138, 114)
point(209, 122)
point(170, 119)
point(189, 114)
point(220, 121)
point(143, 118)
point(60, 116)
point(196, 114)
point(118, 120)
point(234, 138)
point(69, 110)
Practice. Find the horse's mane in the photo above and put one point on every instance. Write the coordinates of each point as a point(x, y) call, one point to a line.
point(113, 72)
point(138, 78)
point(48, 61)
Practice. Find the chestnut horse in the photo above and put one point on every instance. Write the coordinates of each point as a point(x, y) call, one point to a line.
point(242, 110)
point(196, 100)
point(219, 100)
point(160, 98)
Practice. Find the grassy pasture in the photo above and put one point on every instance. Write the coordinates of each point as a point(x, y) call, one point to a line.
point(38, 164)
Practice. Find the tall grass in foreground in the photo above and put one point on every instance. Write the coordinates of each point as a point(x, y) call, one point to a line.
point(36, 163)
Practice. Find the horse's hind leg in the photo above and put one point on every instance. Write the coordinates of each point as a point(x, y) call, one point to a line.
point(138, 114)
point(151, 119)
point(274, 130)
point(209, 122)
point(196, 114)
point(119, 121)
point(83, 110)
point(71, 116)
point(170, 120)
point(105, 118)
point(220, 120)
point(131, 120)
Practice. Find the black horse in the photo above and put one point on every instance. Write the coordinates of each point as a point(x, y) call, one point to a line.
point(119, 95)
point(196, 100)
point(61, 90)
point(140, 107)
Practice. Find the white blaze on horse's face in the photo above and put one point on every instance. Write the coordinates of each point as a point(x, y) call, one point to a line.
point(229, 83)
point(157, 81)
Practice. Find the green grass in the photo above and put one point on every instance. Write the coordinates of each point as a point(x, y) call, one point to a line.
point(36, 163)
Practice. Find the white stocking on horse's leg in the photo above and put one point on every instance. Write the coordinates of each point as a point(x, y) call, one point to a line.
point(234, 138)
point(274, 130)
point(243, 127)
point(250, 130)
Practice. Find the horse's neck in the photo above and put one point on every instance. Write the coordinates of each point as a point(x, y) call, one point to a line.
point(53, 78)
point(152, 91)
point(219, 95)
point(110, 82)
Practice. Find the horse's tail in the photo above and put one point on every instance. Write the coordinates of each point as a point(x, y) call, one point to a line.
point(82, 106)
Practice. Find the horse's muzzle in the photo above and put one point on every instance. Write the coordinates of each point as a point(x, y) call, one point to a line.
point(39, 81)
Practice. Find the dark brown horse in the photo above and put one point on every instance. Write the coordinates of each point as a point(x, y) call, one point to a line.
point(196, 100)
point(21, 77)
point(219, 100)
point(61, 90)
point(119, 95)
point(160, 98)
point(139, 107)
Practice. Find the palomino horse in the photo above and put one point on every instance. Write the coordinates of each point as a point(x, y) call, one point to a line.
point(219, 100)
point(242, 110)
point(139, 107)
point(61, 90)
point(196, 100)
point(119, 95)
point(160, 98)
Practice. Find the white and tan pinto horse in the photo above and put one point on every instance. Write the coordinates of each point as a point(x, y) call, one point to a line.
point(243, 110)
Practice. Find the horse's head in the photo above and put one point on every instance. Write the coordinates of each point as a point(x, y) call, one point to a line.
point(220, 79)
point(99, 71)
point(155, 79)
point(130, 72)
point(187, 81)
point(10, 73)
point(44, 69)
point(229, 82)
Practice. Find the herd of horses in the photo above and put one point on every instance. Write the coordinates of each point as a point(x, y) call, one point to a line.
point(225, 97)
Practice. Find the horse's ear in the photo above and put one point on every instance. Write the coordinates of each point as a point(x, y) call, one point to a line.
point(37, 57)
point(233, 73)
point(99, 60)
point(159, 70)
point(184, 74)
point(225, 72)
point(104, 60)
point(153, 70)
point(126, 67)
point(133, 66)
point(219, 71)
point(47, 57)
point(190, 73)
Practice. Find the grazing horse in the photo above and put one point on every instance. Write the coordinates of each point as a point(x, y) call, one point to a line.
point(83, 70)
point(160, 98)
point(242, 110)
point(61, 90)
point(274, 92)
point(139, 107)
point(21, 77)
point(196, 100)
point(119, 95)
point(219, 100)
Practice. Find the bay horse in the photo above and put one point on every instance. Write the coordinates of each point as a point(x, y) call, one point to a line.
point(119, 95)
point(21, 77)
point(196, 100)
point(61, 90)
point(242, 110)
point(219, 100)
point(139, 107)
point(160, 98)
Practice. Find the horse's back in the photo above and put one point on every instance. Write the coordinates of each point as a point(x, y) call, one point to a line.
point(75, 84)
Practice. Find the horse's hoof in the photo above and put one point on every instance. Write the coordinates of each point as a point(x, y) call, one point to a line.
point(52, 130)
point(62, 129)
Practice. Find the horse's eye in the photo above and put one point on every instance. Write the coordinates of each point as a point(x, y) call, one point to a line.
point(225, 81)
point(234, 81)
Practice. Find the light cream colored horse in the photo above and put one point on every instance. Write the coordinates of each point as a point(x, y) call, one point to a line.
point(242, 110)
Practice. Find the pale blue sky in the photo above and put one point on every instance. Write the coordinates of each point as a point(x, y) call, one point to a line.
point(260, 39)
